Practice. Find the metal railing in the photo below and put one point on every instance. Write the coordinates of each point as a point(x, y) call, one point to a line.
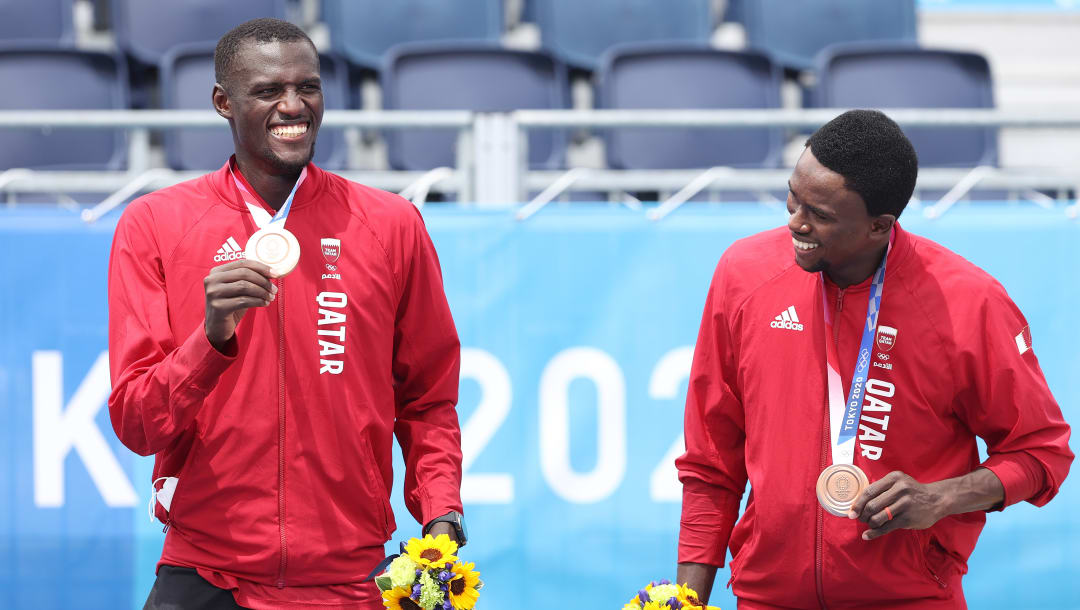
point(491, 161)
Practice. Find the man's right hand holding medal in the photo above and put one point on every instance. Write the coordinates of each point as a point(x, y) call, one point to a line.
point(231, 289)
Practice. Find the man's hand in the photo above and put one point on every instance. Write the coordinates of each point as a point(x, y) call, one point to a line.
point(443, 527)
point(898, 501)
point(230, 290)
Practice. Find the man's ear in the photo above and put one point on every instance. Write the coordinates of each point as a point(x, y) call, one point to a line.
point(220, 99)
point(881, 226)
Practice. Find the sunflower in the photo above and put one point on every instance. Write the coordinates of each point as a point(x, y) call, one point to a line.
point(432, 552)
point(464, 586)
point(398, 599)
point(688, 596)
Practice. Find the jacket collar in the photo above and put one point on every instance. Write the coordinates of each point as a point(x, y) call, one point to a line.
point(222, 182)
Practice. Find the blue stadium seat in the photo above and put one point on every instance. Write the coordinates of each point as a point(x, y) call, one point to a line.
point(688, 76)
point(469, 76)
point(363, 30)
point(147, 30)
point(895, 75)
point(36, 20)
point(793, 32)
point(187, 77)
point(579, 32)
point(53, 78)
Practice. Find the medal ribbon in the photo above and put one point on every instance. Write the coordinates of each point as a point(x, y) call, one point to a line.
point(258, 214)
point(844, 417)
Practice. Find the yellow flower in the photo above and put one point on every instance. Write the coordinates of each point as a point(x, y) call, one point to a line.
point(688, 596)
point(463, 586)
point(656, 606)
point(432, 552)
point(398, 599)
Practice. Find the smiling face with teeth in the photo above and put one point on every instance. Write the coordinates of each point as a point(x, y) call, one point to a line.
point(274, 102)
point(831, 229)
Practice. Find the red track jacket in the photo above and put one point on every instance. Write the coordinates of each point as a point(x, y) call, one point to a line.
point(953, 361)
point(283, 447)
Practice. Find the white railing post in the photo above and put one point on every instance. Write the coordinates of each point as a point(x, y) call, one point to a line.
point(495, 146)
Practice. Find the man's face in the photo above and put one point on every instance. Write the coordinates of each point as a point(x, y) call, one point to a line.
point(829, 224)
point(274, 98)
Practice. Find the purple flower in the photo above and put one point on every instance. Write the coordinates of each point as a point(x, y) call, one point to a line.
point(664, 582)
point(415, 592)
point(674, 603)
point(445, 576)
point(447, 605)
point(643, 595)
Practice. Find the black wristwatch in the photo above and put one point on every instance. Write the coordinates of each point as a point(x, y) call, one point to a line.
point(454, 518)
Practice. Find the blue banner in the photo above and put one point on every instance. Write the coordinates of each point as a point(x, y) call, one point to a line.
point(577, 329)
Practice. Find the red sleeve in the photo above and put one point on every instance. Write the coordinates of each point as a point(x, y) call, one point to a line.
point(1009, 405)
point(157, 386)
point(427, 358)
point(713, 469)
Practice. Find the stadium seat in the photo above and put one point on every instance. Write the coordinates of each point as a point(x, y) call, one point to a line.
point(688, 76)
point(896, 75)
point(469, 76)
point(52, 78)
point(793, 32)
point(147, 30)
point(187, 76)
point(36, 20)
point(579, 32)
point(363, 30)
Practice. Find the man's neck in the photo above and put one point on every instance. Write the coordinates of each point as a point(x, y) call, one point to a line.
point(857, 272)
point(273, 189)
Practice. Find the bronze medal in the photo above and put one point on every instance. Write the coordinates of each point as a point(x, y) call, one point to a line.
point(838, 486)
point(276, 247)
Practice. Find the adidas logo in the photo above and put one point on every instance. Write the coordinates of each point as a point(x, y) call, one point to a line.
point(787, 319)
point(229, 251)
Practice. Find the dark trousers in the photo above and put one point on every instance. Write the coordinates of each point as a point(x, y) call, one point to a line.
point(183, 589)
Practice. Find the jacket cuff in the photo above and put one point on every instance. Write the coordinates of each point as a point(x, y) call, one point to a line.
point(437, 505)
point(1020, 475)
point(204, 362)
point(708, 516)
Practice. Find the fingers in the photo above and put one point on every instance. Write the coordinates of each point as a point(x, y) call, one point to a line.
point(874, 490)
point(244, 263)
point(239, 285)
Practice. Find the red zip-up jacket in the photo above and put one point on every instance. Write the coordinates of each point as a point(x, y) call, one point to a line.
point(952, 360)
point(282, 446)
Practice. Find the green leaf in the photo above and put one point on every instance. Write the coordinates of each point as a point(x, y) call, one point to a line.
point(383, 582)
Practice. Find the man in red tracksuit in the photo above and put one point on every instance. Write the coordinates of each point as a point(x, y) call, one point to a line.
point(950, 359)
point(271, 402)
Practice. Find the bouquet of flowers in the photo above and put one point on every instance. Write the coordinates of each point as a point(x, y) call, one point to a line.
point(427, 575)
point(662, 595)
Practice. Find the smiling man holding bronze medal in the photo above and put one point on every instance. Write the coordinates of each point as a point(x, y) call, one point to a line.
point(844, 368)
point(270, 380)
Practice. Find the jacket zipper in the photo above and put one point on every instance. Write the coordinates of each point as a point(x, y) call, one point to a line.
point(819, 550)
point(281, 433)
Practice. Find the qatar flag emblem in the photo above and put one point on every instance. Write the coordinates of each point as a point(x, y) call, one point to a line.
point(886, 338)
point(331, 249)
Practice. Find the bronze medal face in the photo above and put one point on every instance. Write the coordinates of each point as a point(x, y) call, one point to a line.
point(275, 247)
point(838, 486)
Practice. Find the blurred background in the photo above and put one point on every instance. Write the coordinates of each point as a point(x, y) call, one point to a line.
point(581, 166)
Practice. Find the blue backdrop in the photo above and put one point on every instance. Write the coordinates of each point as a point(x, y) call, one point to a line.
point(577, 327)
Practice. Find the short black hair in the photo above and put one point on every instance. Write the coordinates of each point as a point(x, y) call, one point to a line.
point(261, 31)
point(873, 155)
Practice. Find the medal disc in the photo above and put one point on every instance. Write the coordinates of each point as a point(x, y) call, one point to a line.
point(838, 486)
point(275, 247)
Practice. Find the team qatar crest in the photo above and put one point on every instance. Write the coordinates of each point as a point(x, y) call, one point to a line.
point(331, 249)
point(886, 338)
